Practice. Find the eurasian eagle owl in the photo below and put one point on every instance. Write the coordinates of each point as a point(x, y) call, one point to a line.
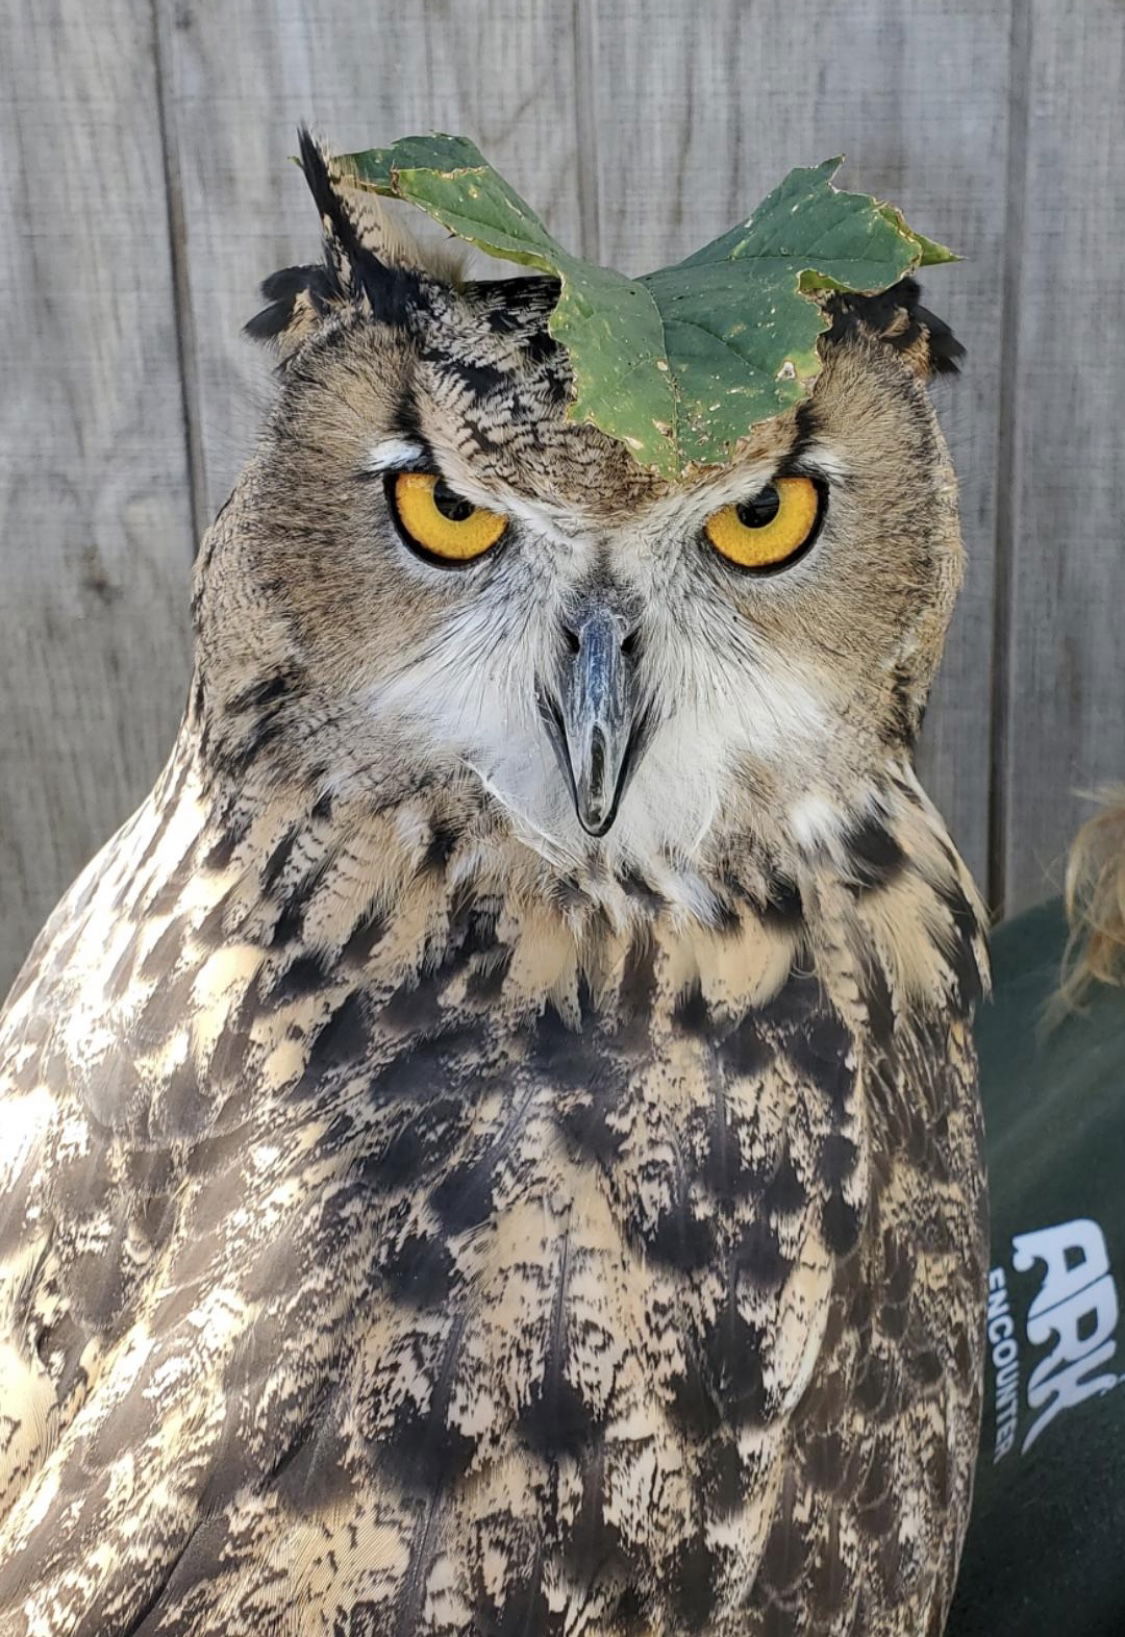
point(492, 1145)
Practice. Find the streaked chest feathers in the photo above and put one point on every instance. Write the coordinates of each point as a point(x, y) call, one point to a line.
point(460, 1257)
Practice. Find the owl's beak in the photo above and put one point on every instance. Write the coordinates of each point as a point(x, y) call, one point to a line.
point(595, 718)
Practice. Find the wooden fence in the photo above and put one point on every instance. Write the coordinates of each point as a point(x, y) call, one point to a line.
point(146, 190)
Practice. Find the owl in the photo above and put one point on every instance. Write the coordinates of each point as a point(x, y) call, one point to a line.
point(491, 1148)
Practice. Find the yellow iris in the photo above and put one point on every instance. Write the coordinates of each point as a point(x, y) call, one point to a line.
point(440, 522)
point(767, 530)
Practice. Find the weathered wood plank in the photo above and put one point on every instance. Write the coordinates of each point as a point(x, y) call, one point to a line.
point(699, 115)
point(96, 537)
point(241, 77)
point(1065, 719)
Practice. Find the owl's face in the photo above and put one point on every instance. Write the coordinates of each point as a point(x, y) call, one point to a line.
point(459, 584)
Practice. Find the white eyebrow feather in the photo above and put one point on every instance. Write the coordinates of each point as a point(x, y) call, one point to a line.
point(393, 453)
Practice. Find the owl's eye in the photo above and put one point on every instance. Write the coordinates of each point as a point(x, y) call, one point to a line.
point(770, 528)
point(439, 523)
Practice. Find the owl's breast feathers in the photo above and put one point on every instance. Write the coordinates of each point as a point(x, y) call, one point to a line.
point(388, 1247)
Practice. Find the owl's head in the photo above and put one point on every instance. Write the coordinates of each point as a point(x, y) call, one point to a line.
point(431, 578)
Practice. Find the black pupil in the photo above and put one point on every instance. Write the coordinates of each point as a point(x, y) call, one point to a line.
point(761, 509)
point(451, 505)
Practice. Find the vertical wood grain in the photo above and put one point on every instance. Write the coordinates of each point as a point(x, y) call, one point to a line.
point(1064, 726)
point(96, 541)
point(239, 79)
point(700, 111)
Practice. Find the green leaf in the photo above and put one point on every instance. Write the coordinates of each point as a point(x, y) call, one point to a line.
point(609, 324)
point(680, 364)
point(930, 253)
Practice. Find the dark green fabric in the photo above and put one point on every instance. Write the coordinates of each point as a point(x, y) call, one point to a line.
point(1046, 1547)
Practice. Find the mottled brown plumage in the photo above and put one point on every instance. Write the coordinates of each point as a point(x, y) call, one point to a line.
point(422, 1216)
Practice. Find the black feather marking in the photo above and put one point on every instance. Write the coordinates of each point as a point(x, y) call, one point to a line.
point(679, 1238)
point(282, 290)
point(636, 886)
point(960, 949)
point(394, 293)
point(486, 982)
point(423, 1450)
point(797, 1001)
point(878, 1503)
point(237, 759)
point(439, 849)
point(288, 926)
point(693, 1404)
point(635, 997)
point(221, 852)
point(726, 1170)
point(837, 1159)
point(880, 1006)
point(593, 1547)
point(693, 1584)
point(516, 302)
point(883, 316)
point(758, 1255)
point(472, 924)
point(364, 938)
point(502, 320)
point(420, 1272)
point(820, 1052)
point(745, 1051)
point(556, 1420)
point(586, 1119)
point(805, 419)
point(305, 976)
point(691, 1012)
point(479, 380)
point(314, 1475)
point(164, 953)
point(463, 1199)
point(785, 1194)
point(290, 281)
point(184, 1112)
point(343, 1039)
point(571, 1059)
point(524, 1610)
point(839, 1224)
point(733, 1349)
point(784, 907)
point(785, 1555)
point(279, 858)
point(293, 898)
point(267, 693)
point(422, 1139)
point(539, 347)
point(720, 1472)
point(875, 857)
point(905, 718)
point(429, 1064)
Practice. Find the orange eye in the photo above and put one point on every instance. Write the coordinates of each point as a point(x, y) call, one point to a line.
point(768, 529)
point(438, 522)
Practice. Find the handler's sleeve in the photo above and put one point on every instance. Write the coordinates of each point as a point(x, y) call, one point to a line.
point(1046, 1547)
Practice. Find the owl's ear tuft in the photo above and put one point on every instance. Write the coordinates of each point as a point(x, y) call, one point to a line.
point(369, 265)
point(925, 342)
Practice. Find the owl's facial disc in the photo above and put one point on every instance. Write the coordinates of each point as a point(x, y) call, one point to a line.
point(466, 620)
point(592, 719)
